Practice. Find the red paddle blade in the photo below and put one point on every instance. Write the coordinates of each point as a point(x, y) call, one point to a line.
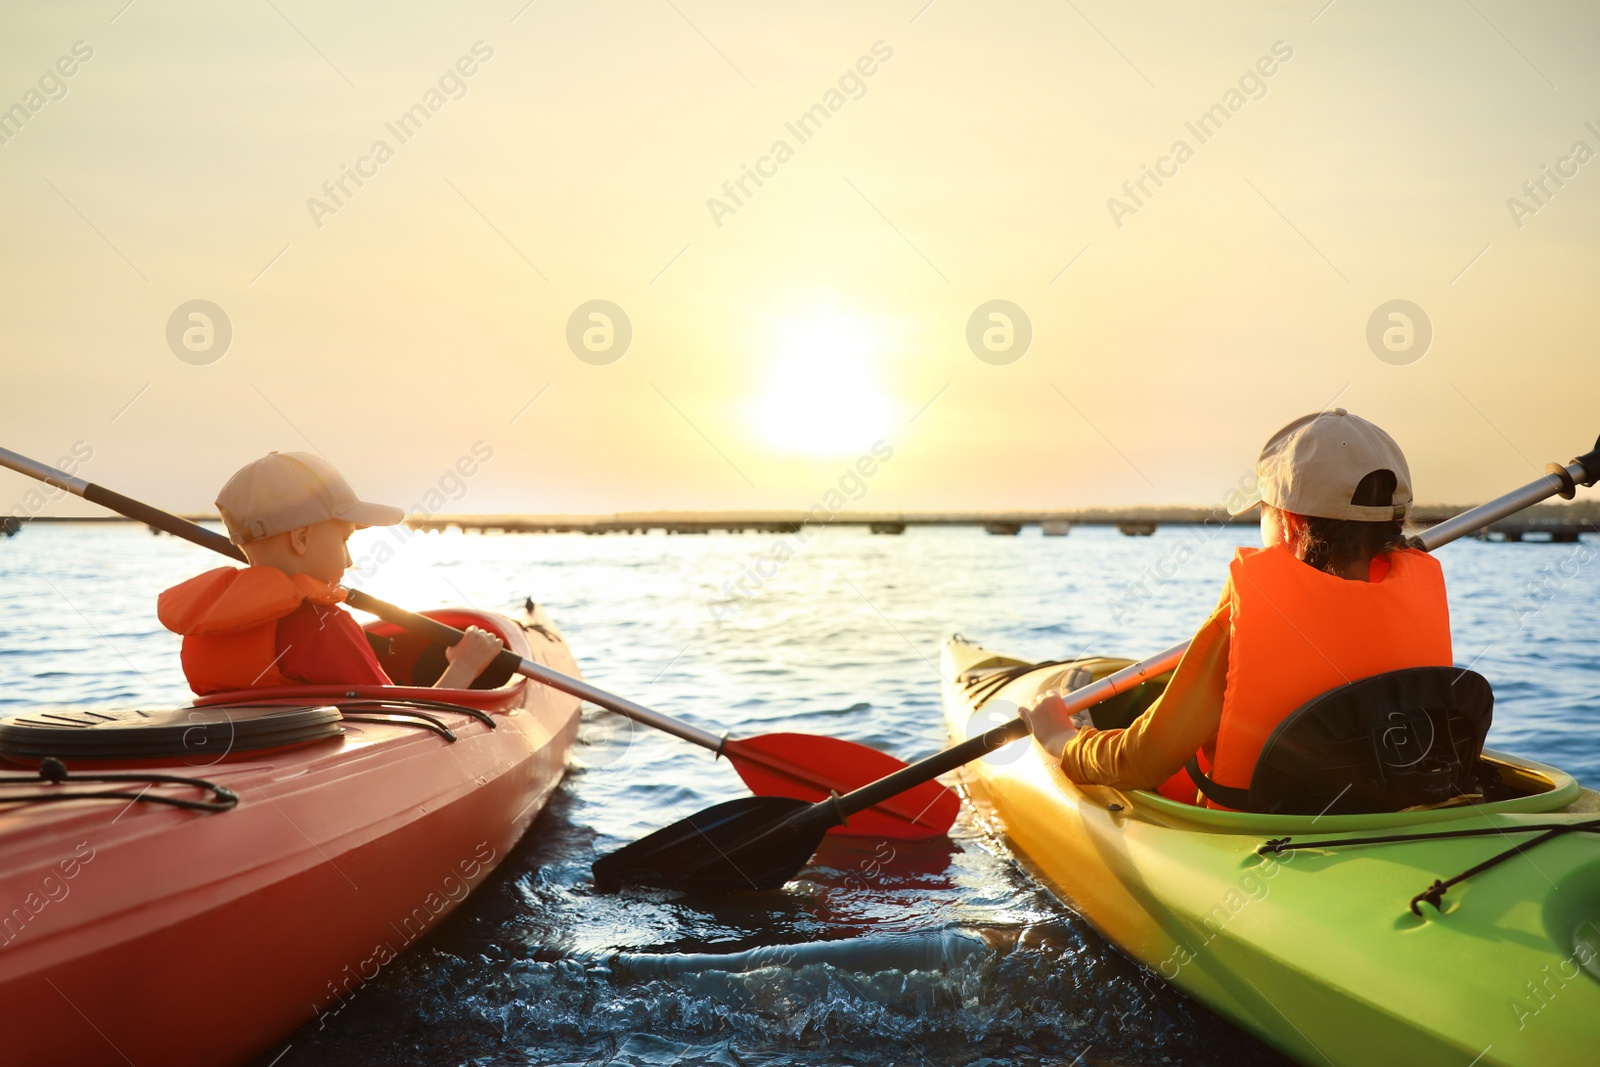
point(810, 767)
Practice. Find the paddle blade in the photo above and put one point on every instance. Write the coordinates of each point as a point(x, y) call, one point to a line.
point(708, 850)
point(810, 767)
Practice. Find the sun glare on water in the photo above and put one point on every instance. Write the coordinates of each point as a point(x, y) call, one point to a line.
point(822, 396)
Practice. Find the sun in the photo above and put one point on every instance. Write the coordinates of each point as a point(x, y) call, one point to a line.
point(822, 396)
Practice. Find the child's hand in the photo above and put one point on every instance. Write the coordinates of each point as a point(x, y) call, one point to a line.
point(468, 657)
point(476, 649)
point(1050, 724)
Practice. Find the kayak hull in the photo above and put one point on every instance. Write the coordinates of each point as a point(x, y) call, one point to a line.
point(1317, 952)
point(173, 936)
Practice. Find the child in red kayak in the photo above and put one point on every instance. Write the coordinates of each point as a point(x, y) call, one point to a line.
point(1334, 596)
point(278, 621)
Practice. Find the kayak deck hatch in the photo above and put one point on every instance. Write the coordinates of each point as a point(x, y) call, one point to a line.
point(182, 733)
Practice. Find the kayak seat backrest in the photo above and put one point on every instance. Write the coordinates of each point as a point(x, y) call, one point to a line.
point(1403, 739)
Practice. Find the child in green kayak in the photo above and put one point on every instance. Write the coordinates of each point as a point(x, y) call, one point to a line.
point(1334, 595)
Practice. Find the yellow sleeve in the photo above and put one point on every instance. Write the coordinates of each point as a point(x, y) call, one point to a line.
point(1183, 719)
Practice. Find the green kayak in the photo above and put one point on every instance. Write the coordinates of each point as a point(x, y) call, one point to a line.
point(1350, 951)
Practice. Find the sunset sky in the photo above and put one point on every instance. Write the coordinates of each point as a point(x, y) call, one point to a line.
point(969, 153)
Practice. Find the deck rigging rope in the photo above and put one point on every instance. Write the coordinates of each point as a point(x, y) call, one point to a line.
point(54, 772)
point(1434, 894)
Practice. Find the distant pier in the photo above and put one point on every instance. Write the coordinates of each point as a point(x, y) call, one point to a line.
point(1133, 522)
point(1555, 531)
point(1556, 524)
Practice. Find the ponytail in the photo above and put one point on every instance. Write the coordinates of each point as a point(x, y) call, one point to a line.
point(1333, 545)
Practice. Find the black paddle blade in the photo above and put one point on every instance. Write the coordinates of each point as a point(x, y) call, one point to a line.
point(742, 844)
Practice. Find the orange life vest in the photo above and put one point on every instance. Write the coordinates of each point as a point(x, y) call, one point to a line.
point(229, 621)
point(1297, 632)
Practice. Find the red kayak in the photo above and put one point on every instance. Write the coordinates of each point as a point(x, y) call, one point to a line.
point(188, 887)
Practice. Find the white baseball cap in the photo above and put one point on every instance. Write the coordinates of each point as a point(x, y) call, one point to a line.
point(1313, 465)
point(286, 490)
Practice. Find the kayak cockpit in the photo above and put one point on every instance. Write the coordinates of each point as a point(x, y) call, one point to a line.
point(1540, 789)
point(414, 660)
point(245, 725)
point(415, 663)
point(994, 686)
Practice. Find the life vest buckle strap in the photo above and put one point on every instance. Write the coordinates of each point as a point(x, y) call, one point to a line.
point(1226, 795)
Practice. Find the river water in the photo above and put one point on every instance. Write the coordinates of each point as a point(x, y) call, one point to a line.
point(943, 953)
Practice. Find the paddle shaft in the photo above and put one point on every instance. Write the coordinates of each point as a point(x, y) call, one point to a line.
point(928, 769)
point(1560, 481)
point(445, 634)
point(432, 629)
point(977, 747)
point(1585, 470)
